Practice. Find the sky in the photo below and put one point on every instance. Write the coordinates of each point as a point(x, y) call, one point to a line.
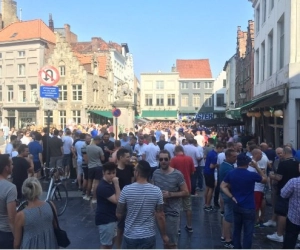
point(157, 31)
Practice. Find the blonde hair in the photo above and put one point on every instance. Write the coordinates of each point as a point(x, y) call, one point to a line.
point(31, 188)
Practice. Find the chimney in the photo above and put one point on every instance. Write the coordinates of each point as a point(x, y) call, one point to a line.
point(68, 32)
point(51, 23)
point(173, 69)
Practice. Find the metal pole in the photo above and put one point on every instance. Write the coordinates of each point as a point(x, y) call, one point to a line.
point(117, 138)
point(48, 136)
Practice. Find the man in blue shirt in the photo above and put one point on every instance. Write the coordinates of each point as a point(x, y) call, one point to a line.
point(209, 170)
point(36, 150)
point(238, 185)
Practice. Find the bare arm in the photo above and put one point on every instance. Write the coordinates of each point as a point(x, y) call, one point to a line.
point(182, 193)
point(259, 171)
point(225, 188)
point(18, 232)
point(11, 211)
point(41, 158)
point(121, 209)
point(161, 221)
point(115, 198)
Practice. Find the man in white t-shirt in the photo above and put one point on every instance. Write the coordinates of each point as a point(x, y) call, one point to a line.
point(170, 147)
point(139, 148)
point(200, 139)
point(150, 153)
point(262, 162)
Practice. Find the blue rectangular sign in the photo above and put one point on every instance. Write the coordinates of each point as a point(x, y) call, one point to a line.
point(49, 92)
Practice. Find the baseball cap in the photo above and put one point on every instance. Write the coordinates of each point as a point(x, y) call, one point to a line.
point(243, 160)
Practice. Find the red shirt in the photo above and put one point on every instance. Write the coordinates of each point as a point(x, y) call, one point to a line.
point(185, 165)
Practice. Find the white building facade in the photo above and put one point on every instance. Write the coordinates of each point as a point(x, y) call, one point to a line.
point(277, 70)
point(220, 98)
point(229, 68)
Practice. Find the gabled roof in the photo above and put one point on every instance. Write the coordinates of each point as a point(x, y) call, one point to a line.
point(193, 68)
point(27, 30)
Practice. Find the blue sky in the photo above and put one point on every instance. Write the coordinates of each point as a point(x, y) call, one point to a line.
point(157, 31)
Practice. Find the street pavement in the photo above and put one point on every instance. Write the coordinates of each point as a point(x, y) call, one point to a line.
point(78, 221)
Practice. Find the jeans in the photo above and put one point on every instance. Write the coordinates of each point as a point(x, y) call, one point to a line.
point(217, 191)
point(144, 243)
point(244, 219)
point(6, 240)
point(291, 234)
point(198, 175)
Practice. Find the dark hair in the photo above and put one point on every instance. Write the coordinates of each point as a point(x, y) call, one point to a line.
point(45, 130)
point(270, 145)
point(55, 132)
point(68, 132)
point(13, 137)
point(191, 140)
point(38, 136)
point(120, 136)
point(173, 138)
point(165, 152)
point(229, 144)
point(131, 134)
point(229, 152)
point(211, 141)
point(117, 143)
point(134, 138)
point(106, 133)
point(109, 166)
point(4, 161)
point(220, 145)
point(178, 149)
point(121, 152)
point(144, 169)
point(252, 146)
point(124, 134)
point(22, 148)
point(112, 134)
point(153, 139)
point(82, 136)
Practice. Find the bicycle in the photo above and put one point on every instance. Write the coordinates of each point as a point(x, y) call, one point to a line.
point(57, 193)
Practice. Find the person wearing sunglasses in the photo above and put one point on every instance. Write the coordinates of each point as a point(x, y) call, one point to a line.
point(172, 183)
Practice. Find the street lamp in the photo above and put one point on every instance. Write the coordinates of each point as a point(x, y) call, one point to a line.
point(243, 94)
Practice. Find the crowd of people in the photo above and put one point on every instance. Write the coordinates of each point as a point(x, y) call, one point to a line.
point(149, 174)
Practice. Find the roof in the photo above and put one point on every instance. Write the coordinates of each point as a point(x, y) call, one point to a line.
point(199, 68)
point(27, 30)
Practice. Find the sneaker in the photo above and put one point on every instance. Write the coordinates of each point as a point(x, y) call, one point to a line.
point(275, 237)
point(223, 239)
point(179, 231)
point(208, 209)
point(257, 225)
point(74, 182)
point(86, 198)
point(228, 245)
point(261, 225)
point(189, 229)
point(94, 201)
point(270, 223)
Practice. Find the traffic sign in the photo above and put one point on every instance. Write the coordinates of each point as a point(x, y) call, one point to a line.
point(49, 92)
point(50, 104)
point(49, 76)
point(116, 112)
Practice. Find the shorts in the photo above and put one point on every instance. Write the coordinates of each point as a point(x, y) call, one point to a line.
point(66, 160)
point(74, 162)
point(85, 172)
point(186, 203)
point(79, 168)
point(95, 173)
point(258, 198)
point(172, 227)
point(209, 180)
point(228, 208)
point(37, 166)
point(107, 233)
point(55, 161)
point(281, 206)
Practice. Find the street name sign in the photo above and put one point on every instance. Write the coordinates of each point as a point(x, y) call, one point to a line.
point(49, 92)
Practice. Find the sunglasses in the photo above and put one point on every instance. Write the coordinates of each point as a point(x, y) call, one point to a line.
point(163, 159)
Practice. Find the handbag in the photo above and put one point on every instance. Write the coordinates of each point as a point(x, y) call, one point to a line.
point(61, 235)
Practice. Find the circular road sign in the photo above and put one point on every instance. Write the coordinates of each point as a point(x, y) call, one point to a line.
point(116, 112)
point(49, 76)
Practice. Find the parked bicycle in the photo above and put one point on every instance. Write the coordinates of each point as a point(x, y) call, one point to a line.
point(57, 192)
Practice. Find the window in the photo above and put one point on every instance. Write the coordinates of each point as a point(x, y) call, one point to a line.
point(160, 100)
point(220, 100)
point(196, 100)
point(77, 116)
point(184, 85)
point(63, 92)
point(148, 99)
point(21, 69)
point(207, 100)
point(208, 85)
point(62, 70)
point(185, 100)
point(22, 93)
point(33, 93)
point(159, 84)
point(257, 21)
point(270, 56)
point(264, 10)
point(171, 99)
point(224, 83)
point(271, 4)
point(196, 85)
point(10, 93)
point(281, 42)
point(46, 117)
point(21, 53)
point(257, 67)
point(0, 70)
point(77, 92)
point(1, 99)
point(63, 118)
point(263, 60)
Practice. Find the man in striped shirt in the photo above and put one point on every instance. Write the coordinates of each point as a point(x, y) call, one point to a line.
point(143, 202)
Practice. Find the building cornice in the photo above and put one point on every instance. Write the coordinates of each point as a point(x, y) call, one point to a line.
point(197, 79)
